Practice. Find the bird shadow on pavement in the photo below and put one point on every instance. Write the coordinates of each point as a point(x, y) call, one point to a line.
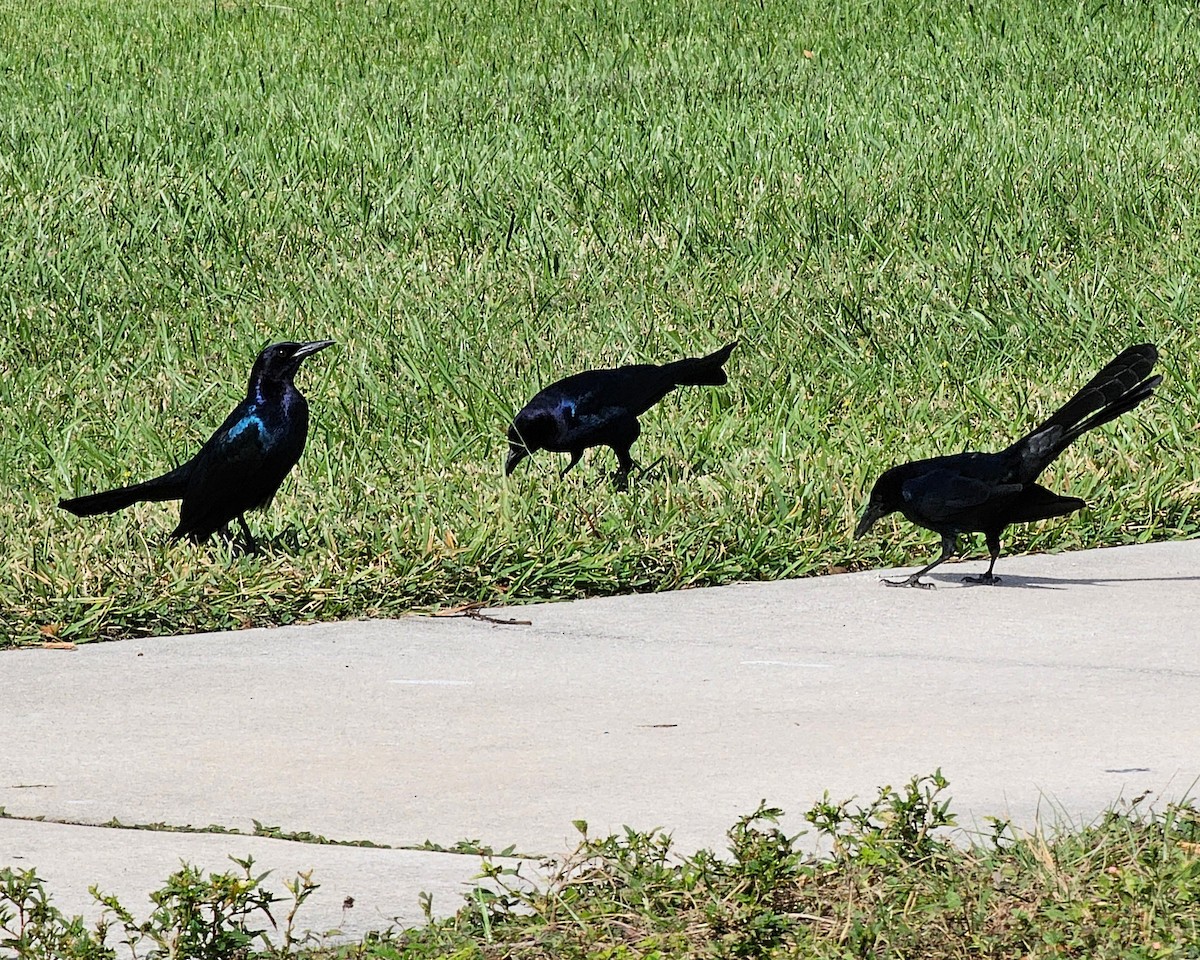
point(1050, 583)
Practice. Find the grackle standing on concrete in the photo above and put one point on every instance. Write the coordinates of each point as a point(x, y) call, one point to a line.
point(985, 492)
point(241, 466)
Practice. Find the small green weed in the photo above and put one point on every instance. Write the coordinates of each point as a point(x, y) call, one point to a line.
point(32, 928)
point(222, 916)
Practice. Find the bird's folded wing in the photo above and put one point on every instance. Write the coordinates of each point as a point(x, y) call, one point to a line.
point(238, 469)
point(631, 390)
point(589, 411)
point(943, 494)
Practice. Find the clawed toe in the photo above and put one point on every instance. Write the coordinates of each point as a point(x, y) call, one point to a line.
point(644, 472)
point(986, 579)
point(908, 582)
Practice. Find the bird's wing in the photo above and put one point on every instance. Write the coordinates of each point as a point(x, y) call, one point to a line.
point(585, 405)
point(238, 469)
point(595, 411)
point(622, 392)
point(241, 439)
point(944, 494)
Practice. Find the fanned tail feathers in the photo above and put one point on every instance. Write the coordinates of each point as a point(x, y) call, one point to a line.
point(1117, 389)
point(702, 371)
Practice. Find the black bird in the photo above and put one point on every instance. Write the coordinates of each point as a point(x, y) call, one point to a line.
point(241, 466)
point(985, 492)
point(601, 408)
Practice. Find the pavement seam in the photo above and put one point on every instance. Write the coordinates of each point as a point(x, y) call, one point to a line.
point(460, 848)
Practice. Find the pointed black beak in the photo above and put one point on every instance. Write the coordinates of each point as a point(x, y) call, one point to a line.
point(515, 456)
point(870, 515)
point(308, 349)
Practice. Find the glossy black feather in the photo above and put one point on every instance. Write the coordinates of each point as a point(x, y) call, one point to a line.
point(986, 492)
point(242, 465)
point(601, 408)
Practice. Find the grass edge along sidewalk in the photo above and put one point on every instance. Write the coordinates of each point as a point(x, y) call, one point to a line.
point(925, 227)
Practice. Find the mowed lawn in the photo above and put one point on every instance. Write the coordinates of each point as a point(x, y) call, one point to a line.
point(926, 223)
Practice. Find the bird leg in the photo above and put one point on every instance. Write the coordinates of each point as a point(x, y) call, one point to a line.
point(576, 455)
point(251, 545)
point(645, 471)
point(949, 549)
point(993, 542)
point(625, 463)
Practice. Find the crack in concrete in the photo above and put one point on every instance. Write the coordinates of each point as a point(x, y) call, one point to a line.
point(460, 848)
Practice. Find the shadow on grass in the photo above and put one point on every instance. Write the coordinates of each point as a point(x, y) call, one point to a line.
point(286, 543)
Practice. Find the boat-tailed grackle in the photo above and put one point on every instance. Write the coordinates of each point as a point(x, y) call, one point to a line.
point(241, 466)
point(985, 492)
point(601, 408)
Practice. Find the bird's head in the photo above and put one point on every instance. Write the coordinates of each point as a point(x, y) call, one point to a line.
point(886, 497)
point(528, 433)
point(280, 361)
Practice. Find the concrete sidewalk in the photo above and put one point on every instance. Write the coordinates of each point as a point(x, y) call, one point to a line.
point(1073, 684)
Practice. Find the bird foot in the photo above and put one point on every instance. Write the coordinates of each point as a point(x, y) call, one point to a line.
point(986, 579)
point(911, 581)
point(620, 479)
point(644, 472)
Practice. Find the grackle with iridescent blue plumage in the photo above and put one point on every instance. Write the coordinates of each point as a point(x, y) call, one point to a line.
point(241, 466)
point(601, 408)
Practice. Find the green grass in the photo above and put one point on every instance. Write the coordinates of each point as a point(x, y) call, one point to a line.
point(925, 223)
point(892, 884)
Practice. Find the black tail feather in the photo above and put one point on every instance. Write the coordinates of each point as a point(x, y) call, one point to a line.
point(170, 486)
point(1128, 370)
point(1035, 502)
point(702, 371)
point(1117, 389)
point(1123, 404)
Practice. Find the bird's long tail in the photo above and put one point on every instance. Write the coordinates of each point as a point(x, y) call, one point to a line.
point(170, 486)
point(1117, 389)
point(701, 371)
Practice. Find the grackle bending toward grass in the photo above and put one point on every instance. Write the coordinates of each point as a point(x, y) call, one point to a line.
point(985, 492)
point(241, 466)
point(601, 408)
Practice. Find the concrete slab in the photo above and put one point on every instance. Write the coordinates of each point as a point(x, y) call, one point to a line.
point(361, 889)
point(1072, 684)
